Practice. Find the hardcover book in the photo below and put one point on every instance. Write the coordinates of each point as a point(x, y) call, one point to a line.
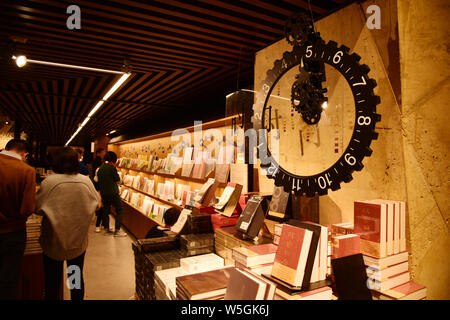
point(312, 268)
point(192, 241)
point(390, 282)
point(371, 224)
point(252, 217)
point(279, 203)
point(382, 263)
point(203, 285)
point(407, 291)
point(255, 255)
point(231, 203)
point(244, 286)
point(292, 255)
point(385, 274)
point(324, 293)
point(350, 278)
point(345, 245)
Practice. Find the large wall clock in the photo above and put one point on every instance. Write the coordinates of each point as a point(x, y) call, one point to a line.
point(318, 148)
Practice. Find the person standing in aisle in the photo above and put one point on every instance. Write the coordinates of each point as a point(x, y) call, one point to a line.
point(98, 161)
point(108, 178)
point(83, 169)
point(17, 203)
point(67, 201)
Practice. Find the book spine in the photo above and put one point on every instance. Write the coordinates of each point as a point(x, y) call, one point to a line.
point(396, 228)
point(390, 229)
point(402, 226)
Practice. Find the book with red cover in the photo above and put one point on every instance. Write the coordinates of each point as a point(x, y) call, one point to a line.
point(315, 240)
point(370, 220)
point(407, 291)
point(345, 245)
point(292, 255)
point(218, 220)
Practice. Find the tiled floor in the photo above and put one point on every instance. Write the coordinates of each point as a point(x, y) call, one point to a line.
point(108, 267)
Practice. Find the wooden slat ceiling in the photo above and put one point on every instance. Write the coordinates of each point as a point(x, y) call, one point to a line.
point(185, 56)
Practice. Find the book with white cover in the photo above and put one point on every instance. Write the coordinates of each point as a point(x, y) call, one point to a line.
point(196, 263)
point(182, 218)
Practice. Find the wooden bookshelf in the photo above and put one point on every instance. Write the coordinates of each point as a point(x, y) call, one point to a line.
point(141, 212)
point(170, 176)
point(155, 198)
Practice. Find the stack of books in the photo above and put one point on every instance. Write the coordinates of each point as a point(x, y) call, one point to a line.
point(247, 285)
point(33, 233)
point(199, 223)
point(157, 261)
point(196, 244)
point(381, 225)
point(342, 228)
point(210, 285)
point(258, 258)
point(165, 283)
point(227, 238)
point(151, 255)
point(165, 280)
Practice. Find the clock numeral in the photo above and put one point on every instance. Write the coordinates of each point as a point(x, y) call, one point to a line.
point(266, 88)
point(284, 64)
point(337, 57)
point(350, 159)
point(324, 181)
point(257, 116)
point(308, 51)
point(360, 83)
point(272, 170)
point(364, 121)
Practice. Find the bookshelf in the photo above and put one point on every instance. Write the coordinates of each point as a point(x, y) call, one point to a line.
point(161, 145)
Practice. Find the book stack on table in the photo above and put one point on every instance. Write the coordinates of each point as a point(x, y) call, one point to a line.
point(196, 244)
point(144, 264)
point(381, 225)
point(228, 238)
point(165, 280)
point(258, 258)
point(33, 233)
point(156, 261)
point(199, 223)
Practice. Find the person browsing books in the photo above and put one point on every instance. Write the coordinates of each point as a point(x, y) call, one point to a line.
point(108, 178)
point(170, 218)
point(67, 201)
point(17, 203)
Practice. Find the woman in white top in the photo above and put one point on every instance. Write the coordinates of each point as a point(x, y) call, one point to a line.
point(67, 201)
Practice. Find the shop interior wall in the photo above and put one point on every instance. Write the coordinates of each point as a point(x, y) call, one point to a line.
point(409, 160)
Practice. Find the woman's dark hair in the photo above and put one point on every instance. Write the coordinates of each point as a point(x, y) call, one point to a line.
point(171, 216)
point(65, 161)
point(110, 157)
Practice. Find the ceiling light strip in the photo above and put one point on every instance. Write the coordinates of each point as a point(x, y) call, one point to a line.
point(111, 91)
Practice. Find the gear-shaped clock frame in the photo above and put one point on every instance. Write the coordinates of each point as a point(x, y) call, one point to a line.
point(362, 87)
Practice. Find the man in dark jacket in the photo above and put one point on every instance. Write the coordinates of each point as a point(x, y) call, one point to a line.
point(83, 169)
point(17, 203)
point(108, 178)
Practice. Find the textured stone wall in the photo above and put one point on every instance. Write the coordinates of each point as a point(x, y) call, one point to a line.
point(425, 85)
point(408, 57)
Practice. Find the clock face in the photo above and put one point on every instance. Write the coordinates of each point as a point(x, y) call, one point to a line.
point(309, 154)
